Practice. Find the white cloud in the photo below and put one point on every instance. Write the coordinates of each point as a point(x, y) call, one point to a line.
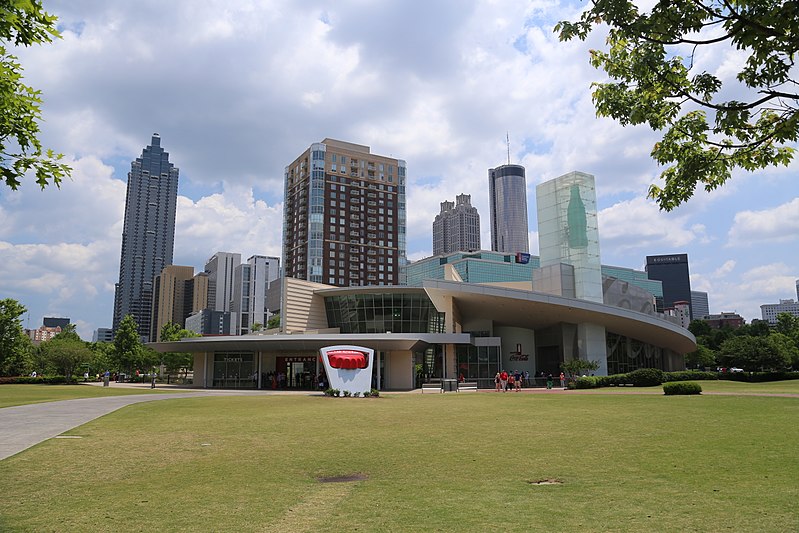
point(637, 224)
point(232, 221)
point(780, 224)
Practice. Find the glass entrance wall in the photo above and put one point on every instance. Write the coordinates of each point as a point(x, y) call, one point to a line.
point(396, 312)
point(295, 372)
point(478, 363)
point(234, 370)
point(626, 354)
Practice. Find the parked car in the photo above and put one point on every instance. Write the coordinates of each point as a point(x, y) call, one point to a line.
point(734, 369)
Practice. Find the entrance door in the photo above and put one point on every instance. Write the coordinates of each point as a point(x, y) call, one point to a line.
point(298, 372)
point(547, 360)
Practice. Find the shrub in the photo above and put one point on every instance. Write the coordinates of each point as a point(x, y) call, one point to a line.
point(689, 375)
point(681, 387)
point(346, 394)
point(375, 393)
point(356, 394)
point(617, 380)
point(38, 380)
point(591, 382)
point(645, 377)
point(758, 377)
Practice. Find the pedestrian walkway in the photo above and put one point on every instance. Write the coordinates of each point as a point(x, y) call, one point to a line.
point(23, 426)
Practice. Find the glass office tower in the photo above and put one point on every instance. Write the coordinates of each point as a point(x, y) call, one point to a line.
point(148, 234)
point(672, 270)
point(508, 201)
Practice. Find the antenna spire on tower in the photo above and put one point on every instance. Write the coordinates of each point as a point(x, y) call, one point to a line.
point(507, 142)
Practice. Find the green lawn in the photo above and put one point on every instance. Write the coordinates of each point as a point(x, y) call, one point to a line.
point(434, 462)
point(774, 387)
point(25, 394)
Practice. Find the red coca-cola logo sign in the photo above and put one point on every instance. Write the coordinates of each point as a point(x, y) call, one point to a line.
point(349, 359)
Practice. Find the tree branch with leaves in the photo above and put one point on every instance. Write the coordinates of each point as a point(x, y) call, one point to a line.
point(24, 23)
point(651, 59)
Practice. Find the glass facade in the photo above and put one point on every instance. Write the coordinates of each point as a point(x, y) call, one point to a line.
point(508, 202)
point(672, 271)
point(626, 354)
point(234, 370)
point(383, 312)
point(148, 234)
point(478, 362)
point(568, 231)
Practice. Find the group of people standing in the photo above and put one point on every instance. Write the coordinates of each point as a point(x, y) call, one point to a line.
point(514, 381)
point(504, 381)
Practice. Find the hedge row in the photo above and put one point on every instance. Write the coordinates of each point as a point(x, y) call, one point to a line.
point(682, 387)
point(759, 377)
point(652, 377)
point(38, 380)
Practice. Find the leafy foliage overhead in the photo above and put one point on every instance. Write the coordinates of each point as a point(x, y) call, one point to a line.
point(24, 23)
point(710, 126)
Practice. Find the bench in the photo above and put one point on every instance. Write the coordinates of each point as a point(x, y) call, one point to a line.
point(467, 386)
point(432, 386)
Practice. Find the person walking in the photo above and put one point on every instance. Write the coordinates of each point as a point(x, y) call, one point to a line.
point(549, 381)
point(563, 380)
point(497, 382)
point(503, 379)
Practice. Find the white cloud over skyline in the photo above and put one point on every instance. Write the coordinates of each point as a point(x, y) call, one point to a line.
point(237, 89)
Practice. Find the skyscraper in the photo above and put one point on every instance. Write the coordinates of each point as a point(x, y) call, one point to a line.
point(251, 283)
point(220, 269)
point(457, 227)
point(344, 216)
point(148, 233)
point(672, 270)
point(508, 201)
point(699, 304)
point(177, 293)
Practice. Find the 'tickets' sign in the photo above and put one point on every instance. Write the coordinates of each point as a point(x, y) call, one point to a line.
point(348, 367)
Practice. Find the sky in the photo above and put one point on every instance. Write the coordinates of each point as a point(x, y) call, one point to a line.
point(237, 89)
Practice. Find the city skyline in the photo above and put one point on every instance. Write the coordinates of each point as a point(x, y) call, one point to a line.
point(432, 99)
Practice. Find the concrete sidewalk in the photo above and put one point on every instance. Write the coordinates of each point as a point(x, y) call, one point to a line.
point(24, 426)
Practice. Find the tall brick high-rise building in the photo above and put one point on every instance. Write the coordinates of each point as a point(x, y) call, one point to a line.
point(344, 216)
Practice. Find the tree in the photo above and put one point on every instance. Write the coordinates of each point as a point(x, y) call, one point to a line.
point(752, 354)
point(24, 23)
point(68, 332)
point(758, 328)
point(273, 322)
point(256, 326)
point(787, 324)
point(102, 357)
point(65, 354)
point(700, 358)
point(11, 356)
point(176, 361)
point(575, 367)
point(652, 58)
point(128, 349)
point(786, 346)
point(699, 327)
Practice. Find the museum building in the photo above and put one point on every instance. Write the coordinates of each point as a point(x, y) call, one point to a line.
point(447, 327)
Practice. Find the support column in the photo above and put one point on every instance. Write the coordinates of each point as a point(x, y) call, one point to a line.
point(592, 346)
point(378, 358)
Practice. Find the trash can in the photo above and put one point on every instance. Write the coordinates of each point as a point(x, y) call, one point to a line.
point(449, 385)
